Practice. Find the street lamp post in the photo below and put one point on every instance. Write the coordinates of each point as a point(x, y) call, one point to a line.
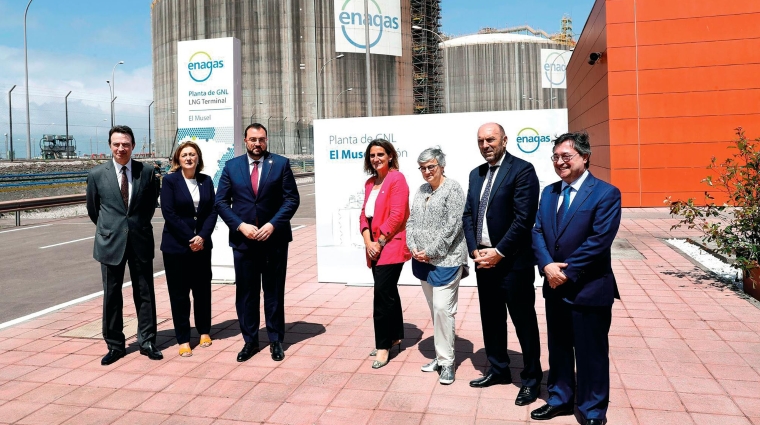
point(551, 75)
point(110, 98)
point(367, 63)
point(26, 79)
point(113, 91)
point(445, 63)
point(66, 100)
point(10, 122)
point(321, 75)
point(335, 104)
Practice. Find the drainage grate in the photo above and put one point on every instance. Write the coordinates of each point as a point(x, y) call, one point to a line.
point(94, 329)
point(623, 250)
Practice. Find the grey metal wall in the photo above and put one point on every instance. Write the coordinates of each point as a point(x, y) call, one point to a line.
point(496, 76)
point(276, 36)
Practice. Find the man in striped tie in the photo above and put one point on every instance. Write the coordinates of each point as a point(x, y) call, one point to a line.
point(121, 201)
point(502, 199)
point(576, 224)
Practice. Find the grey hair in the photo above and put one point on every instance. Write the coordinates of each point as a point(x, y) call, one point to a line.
point(432, 153)
point(580, 143)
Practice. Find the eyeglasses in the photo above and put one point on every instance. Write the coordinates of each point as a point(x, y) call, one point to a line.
point(565, 157)
point(256, 139)
point(428, 168)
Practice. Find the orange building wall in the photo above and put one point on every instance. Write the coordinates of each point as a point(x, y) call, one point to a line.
point(676, 78)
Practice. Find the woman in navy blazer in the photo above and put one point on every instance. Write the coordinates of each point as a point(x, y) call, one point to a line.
point(187, 204)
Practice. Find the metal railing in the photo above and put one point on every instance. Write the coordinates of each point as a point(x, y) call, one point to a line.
point(19, 205)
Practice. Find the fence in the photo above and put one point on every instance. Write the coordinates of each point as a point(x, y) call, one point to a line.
point(88, 117)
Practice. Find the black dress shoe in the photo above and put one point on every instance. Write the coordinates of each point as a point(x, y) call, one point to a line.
point(527, 395)
point(596, 421)
point(276, 349)
point(151, 351)
point(249, 349)
point(490, 379)
point(112, 356)
point(547, 411)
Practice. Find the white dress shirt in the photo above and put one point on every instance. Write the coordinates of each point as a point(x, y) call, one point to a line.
point(485, 240)
point(192, 186)
point(369, 207)
point(118, 166)
point(576, 186)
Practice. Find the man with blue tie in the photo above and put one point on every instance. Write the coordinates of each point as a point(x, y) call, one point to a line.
point(256, 198)
point(502, 199)
point(577, 221)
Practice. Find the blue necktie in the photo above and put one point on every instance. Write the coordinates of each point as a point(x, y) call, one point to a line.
point(565, 204)
point(484, 204)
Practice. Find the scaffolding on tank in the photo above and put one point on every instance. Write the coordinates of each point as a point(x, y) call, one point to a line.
point(427, 58)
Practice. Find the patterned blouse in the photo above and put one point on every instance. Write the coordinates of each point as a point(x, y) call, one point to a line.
point(435, 224)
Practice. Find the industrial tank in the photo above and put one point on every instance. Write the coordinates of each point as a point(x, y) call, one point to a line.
point(499, 72)
point(287, 81)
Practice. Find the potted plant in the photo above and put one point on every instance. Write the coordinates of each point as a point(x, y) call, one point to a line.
point(734, 225)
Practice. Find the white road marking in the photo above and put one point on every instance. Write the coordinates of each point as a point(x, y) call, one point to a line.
point(298, 227)
point(65, 243)
point(63, 305)
point(25, 228)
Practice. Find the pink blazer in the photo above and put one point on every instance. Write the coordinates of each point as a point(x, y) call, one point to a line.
point(391, 213)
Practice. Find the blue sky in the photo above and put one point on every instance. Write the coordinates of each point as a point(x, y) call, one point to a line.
point(74, 44)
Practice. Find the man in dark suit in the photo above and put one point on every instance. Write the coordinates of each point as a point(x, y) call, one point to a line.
point(121, 201)
point(256, 198)
point(501, 207)
point(577, 221)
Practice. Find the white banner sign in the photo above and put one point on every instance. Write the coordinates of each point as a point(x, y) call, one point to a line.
point(339, 146)
point(209, 113)
point(554, 67)
point(384, 27)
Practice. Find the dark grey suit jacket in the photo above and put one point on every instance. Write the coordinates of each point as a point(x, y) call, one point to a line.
point(115, 224)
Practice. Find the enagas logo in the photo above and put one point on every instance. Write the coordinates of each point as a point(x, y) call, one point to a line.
point(377, 21)
point(555, 68)
point(200, 66)
point(528, 140)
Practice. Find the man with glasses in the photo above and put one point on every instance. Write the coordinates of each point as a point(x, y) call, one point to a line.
point(121, 201)
point(256, 198)
point(502, 199)
point(576, 224)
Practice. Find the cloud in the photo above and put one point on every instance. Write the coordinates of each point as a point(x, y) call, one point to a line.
point(51, 76)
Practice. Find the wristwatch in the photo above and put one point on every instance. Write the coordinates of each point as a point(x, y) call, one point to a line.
point(382, 242)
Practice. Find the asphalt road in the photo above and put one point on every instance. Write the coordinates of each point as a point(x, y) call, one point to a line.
point(43, 264)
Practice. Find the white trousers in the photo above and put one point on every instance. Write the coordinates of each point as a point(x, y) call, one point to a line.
point(442, 301)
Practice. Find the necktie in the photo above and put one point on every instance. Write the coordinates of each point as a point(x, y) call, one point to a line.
point(484, 204)
point(565, 204)
point(124, 187)
point(255, 178)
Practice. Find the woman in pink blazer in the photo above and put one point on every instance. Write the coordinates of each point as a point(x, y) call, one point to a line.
point(383, 226)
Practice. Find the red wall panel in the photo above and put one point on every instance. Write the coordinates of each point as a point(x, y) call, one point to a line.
point(679, 76)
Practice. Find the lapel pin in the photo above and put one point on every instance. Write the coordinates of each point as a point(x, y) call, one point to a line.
point(270, 161)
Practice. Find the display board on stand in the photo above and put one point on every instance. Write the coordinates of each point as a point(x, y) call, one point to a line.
point(339, 146)
point(209, 96)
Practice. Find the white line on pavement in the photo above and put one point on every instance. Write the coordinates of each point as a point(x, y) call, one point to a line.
point(63, 305)
point(65, 243)
point(25, 228)
point(301, 226)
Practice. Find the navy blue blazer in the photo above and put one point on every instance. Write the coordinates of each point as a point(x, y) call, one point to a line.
point(181, 221)
point(583, 241)
point(511, 210)
point(276, 202)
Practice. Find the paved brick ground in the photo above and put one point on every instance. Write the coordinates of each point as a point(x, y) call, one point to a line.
point(684, 348)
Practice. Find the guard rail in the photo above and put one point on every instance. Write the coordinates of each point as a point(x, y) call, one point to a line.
point(16, 206)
